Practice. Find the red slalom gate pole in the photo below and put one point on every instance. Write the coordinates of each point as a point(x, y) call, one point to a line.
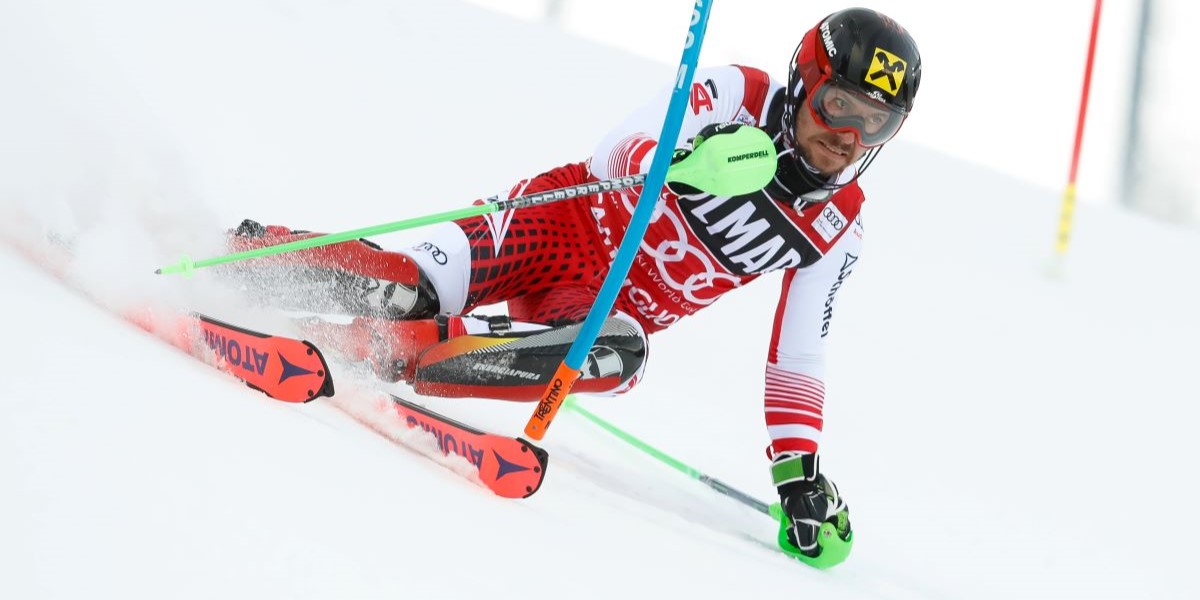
point(1068, 206)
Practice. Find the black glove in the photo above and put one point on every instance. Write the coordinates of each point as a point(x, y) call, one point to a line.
point(808, 499)
point(708, 131)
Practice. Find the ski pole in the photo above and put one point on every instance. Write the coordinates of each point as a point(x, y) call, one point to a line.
point(834, 551)
point(186, 266)
point(572, 405)
point(725, 165)
point(569, 370)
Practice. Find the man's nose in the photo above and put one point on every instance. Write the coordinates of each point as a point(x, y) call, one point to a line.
point(846, 138)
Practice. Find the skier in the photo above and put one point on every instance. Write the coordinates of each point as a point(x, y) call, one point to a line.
point(851, 85)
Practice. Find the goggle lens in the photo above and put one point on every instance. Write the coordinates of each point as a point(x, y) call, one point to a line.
point(839, 108)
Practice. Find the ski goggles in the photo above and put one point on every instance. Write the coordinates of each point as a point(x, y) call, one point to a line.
point(840, 108)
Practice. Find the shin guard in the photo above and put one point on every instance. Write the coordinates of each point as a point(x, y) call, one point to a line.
point(517, 365)
point(351, 278)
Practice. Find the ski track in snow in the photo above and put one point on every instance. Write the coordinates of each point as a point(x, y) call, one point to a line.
point(997, 433)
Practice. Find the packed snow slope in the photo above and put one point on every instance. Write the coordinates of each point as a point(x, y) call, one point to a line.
point(999, 433)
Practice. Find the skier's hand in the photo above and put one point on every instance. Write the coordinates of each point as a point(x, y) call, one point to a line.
point(809, 499)
point(713, 129)
point(710, 130)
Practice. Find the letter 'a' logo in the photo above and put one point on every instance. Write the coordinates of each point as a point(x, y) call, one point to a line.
point(887, 71)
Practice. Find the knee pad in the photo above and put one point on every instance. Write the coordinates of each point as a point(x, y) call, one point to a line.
point(619, 351)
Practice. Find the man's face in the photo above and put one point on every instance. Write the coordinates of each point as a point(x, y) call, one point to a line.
point(826, 151)
point(855, 118)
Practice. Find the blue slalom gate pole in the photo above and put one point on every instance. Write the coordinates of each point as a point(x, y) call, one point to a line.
point(564, 378)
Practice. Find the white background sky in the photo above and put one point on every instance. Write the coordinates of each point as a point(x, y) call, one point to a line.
point(1002, 80)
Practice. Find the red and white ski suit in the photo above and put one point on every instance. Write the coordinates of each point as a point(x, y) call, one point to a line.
point(548, 261)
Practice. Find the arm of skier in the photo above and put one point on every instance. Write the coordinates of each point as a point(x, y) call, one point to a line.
point(795, 372)
point(794, 401)
point(718, 95)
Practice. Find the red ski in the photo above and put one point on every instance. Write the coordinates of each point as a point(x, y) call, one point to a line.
point(287, 369)
point(294, 370)
point(283, 368)
point(510, 467)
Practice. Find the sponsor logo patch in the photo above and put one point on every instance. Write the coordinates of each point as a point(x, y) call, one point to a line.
point(447, 443)
point(504, 371)
point(701, 98)
point(748, 156)
point(827, 315)
point(887, 71)
point(744, 117)
point(439, 256)
point(830, 222)
point(504, 467)
point(745, 236)
point(546, 406)
point(827, 37)
point(246, 358)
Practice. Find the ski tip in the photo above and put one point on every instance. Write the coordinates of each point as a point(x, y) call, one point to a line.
point(326, 389)
point(519, 474)
point(543, 459)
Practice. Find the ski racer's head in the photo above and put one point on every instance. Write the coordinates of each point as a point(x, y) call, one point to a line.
point(851, 85)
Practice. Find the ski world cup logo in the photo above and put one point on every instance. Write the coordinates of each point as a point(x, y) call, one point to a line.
point(887, 71)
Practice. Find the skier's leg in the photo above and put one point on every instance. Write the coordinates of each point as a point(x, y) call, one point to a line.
point(526, 251)
point(547, 263)
point(467, 263)
point(454, 268)
point(354, 278)
point(518, 363)
point(488, 357)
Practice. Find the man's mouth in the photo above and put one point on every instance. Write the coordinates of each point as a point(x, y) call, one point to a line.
point(838, 150)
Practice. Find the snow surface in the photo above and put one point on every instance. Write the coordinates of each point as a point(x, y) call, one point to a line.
point(999, 433)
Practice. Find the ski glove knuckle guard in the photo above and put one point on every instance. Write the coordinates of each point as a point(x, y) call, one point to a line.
point(708, 131)
point(714, 129)
point(808, 499)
